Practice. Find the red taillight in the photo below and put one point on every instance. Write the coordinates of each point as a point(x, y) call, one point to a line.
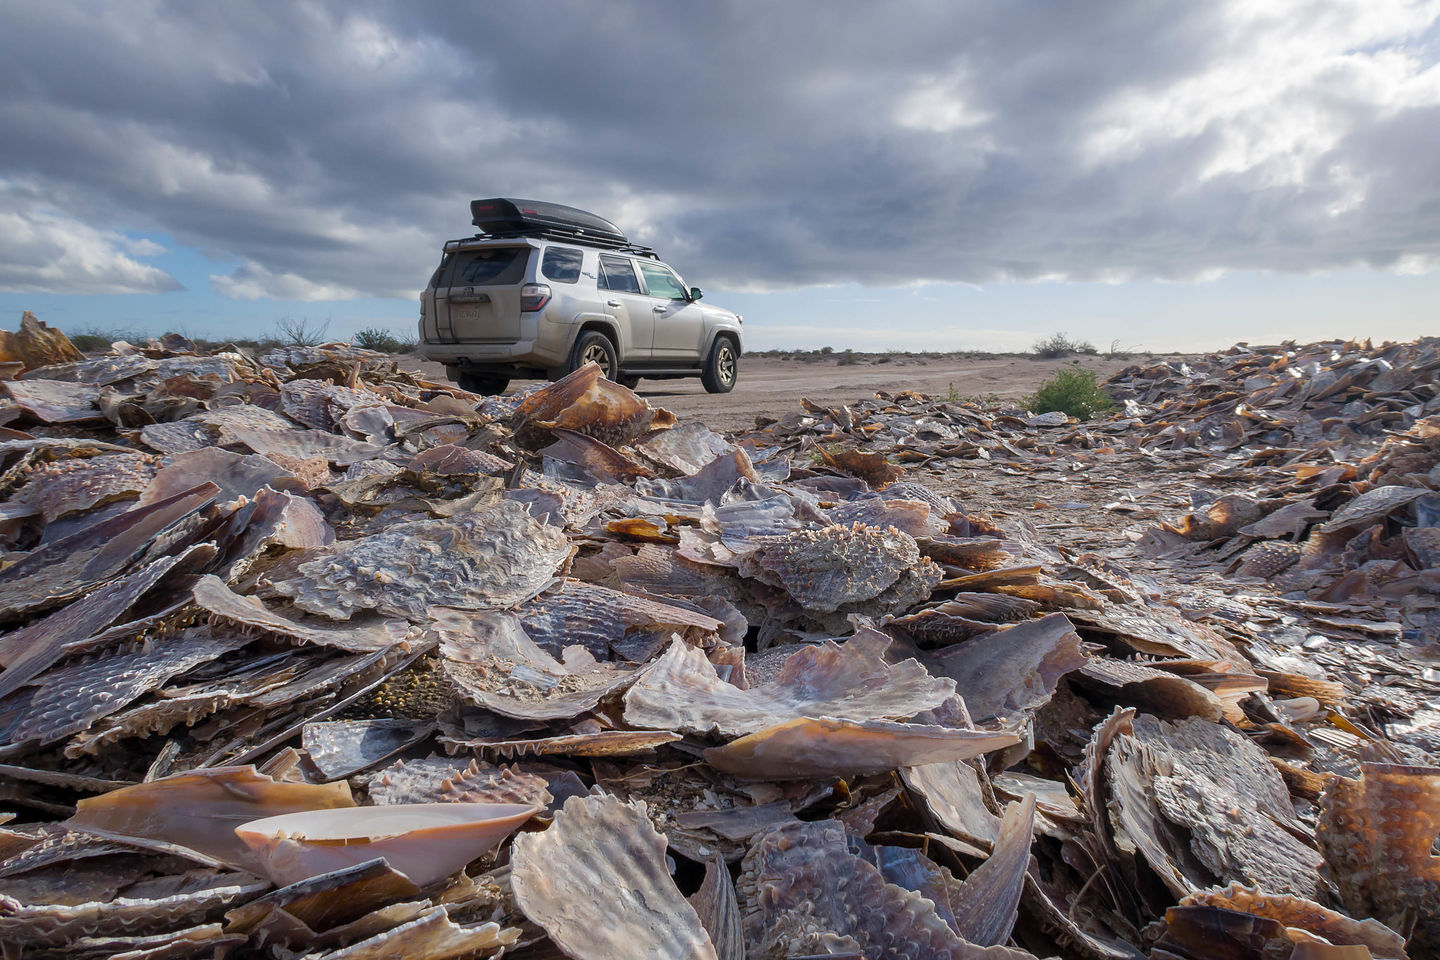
point(534, 296)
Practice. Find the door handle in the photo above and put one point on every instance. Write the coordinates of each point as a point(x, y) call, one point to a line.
point(660, 309)
point(612, 303)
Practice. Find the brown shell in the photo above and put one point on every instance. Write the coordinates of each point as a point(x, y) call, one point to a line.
point(197, 811)
point(829, 747)
point(1306, 915)
point(36, 344)
point(1377, 833)
point(596, 880)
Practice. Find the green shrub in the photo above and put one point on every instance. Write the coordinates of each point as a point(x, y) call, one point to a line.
point(91, 342)
point(378, 338)
point(1072, 391)
point(1060, 345)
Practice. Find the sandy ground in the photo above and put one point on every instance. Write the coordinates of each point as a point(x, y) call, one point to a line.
point(773, 387)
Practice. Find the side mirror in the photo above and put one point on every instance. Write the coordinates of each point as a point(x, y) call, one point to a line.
point(695, 293)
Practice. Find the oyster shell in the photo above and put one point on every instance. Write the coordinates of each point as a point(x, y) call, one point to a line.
point(1012, 670)
point(829, 569)
point(494, 556)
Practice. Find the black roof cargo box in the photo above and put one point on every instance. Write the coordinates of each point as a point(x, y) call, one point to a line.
point(501, 215)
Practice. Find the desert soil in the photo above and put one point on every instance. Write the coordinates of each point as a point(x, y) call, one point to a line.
point(772, 387)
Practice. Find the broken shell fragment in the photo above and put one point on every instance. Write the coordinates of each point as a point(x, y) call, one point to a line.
point(425, 842)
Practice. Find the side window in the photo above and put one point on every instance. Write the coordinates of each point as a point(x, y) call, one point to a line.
point(500, 265)
point(661, 282)
point(562, 264)
point(617, 274)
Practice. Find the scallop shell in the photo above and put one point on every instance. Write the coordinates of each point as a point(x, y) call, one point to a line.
point(425, 842)
point(1377, 833)
point(597, 882)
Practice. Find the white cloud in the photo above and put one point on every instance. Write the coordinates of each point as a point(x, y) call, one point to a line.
point(43, 251)
point(252, 281)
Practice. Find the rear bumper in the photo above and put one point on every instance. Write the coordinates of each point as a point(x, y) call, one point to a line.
point(547, 351)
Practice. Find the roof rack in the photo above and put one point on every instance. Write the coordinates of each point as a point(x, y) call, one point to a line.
point(567, 236)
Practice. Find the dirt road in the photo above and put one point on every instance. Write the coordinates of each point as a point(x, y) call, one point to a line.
point(773, 387)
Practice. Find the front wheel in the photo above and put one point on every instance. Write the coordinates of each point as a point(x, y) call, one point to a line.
point(595, 347)
point(722, 367)
point(486, 386)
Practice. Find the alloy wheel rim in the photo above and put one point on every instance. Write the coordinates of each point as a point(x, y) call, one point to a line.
point(596, 354)
point(726, 365)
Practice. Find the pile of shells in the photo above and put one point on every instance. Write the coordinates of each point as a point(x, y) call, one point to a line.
point(310, 657)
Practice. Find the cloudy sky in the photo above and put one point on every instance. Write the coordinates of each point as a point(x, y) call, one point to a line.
point(912, 174)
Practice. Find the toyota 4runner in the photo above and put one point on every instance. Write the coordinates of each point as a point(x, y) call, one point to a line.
point(546, 288)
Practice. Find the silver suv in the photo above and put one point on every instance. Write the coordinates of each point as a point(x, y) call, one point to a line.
point(547, 288)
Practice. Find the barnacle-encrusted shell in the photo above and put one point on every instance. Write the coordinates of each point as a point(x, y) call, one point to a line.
point(596, 880)
point(72, 485)
point(251, 614)
point(494, 556)
point(829, 568)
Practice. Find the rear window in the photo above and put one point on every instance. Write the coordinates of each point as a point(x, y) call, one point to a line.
point(562, 264)
point(617, 274)
point(502, 265)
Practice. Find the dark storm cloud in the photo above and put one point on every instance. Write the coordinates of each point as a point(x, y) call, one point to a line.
point(329, 148)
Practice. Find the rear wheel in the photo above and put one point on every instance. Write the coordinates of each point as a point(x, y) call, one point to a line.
point(722, 367)
point(478, 383)
point(594, 347)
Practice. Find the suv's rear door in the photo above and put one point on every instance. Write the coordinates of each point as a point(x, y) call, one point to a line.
point(477, 297)
point(625, 301)
point(679, 323)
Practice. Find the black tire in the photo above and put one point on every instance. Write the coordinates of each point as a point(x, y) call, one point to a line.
point(478, 383)
point(722, 367)
point(593, 345)
point(629, 382)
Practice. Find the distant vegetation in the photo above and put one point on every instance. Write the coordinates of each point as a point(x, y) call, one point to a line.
point(287, 332)
point(378, 338)
point(1072, 391)
point(1060, 345)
